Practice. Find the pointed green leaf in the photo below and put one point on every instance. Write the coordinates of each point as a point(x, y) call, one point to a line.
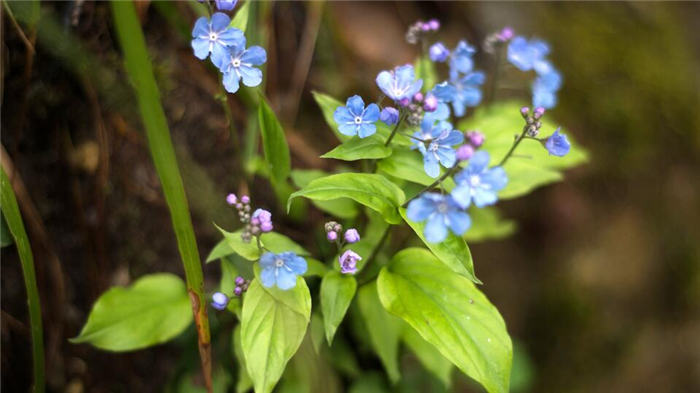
point(450, 313)
point(487, 224)
point(525, 176)
point(453, 251)
point(373, 191)
point(428, 355)
point(337, 291)
point(272, 331)
point(328, 106)
point(244, 382)
point(240, 20)
point(360, 149)
point(341, 208)
point(408, 165)
point(155, 309)
point(274, 142)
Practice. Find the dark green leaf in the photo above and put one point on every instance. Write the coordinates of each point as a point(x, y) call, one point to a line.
point(5, 235)
point(337, 292)
point(274, 142)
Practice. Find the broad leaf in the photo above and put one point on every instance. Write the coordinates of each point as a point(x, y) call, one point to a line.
point(337, 291)
point(248, 251)
point(315, 268)
point(373, 191)
point(341, 208)
point(328, 106)
point(384, 329)
point(408, 165)
point(244, 382)
point(425, 70)
point(487, 224)
point(274, 142)
point(222, 249)
point(453, 251)
point(272, 331)
point(450, 313)
point(155, 309)
point(360, 149)
point(525, 176)
point(428, 355)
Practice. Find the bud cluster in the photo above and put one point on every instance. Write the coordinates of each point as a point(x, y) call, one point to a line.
point(419, 106)
point(497, 39)
point(256, 224)
point(532, 120)
point(474, 140)
point(348, 261)
point(241, 286)
point(420, 29)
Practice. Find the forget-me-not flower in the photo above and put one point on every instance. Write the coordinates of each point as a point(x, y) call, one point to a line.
point(348, 262)
point(478, 183)
point(438, 52)
point(461, 59)
point(557, 144)
point(544, 89)
point(389, 116)
point(355, 119)
point(239, 65)
point(467, 92)
point(214, 37)
point(441, 213)
point(219, 301)
point(528, 55)
point(435, 144)
point(281, 269)
point(400, 83)
point(226, 5)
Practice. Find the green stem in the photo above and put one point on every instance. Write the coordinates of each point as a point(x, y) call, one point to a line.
point(512, 148)
point(140, 69)
point(496, 73)
point(396, 128)
point(433, 184)
point(363, 279)
point(10, 210)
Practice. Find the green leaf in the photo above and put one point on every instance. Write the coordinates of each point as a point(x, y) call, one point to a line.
point(315, 268)
point(316, 331)
point(453, 251)
point(341, 208)
point(373, 191)
point(295, 298)
point(233, 244)
point(240, 21)
point(425, 69)
point(274, 142)
point(408, 165)
point(155, 309)
point(248, 251)
point(429, 356)
point(450, 313)
point(523, 177)
point(272, 331)
point(229, 272)
point(5, 235)
point(384, 329)
point(487, 224)
point(244, 382)
point(337, 291)
point(328, 106)
point(222, 249)
point(360, 149)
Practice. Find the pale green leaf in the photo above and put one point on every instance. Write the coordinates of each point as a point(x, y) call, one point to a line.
point(450, 313)
point(487, 224)
point(453, 251)
point(248, 251)
point(240, 20)
point(373, 191)
point(358, 148)
point(524, 176)
point(408, 165)
point(272, 331)
point(222, 249)
point(337, 292)
point(315, 268)
point(428, 355)
point(155, 309)
point(244, 382)
point(341, 208)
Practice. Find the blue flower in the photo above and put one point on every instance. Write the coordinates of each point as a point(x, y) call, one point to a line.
point(399, 83)
point(281, 269)
point(478, 183)
point(219, 301)
point(528, 55)
point(466, 92)
point(435, 143)
point(544, 89)
point(238, 65)
point(389, 116)
point(226, 5)
point(557, 144)
point(214, 37)
point(441, 212)
point(355, 119)
point(461, 60)
point(438, 53)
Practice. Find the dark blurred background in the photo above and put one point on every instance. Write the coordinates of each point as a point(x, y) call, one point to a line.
point(600, 285)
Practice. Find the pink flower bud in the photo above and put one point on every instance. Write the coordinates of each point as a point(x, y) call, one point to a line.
point(465, 152)
point(352, 236)
point(332, 236)
point(231, 199)
point(430, 104)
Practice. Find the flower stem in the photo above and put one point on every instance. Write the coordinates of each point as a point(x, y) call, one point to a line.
point(493, 86)
point(363, 279)
point(433, 185)
point(512, 149)
point(396, 128)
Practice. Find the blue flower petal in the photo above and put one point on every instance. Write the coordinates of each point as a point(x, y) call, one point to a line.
point(355, 105)
point(219, 55)
point(231, 37)
point(267, 260)
point(343, 116)
point(453, 138)
point(231, 81)
point(448, 156)
point(201, 28)
point(251, 76)
point(483, 197)
point(201, 48)
point(420, 209)
point(435, 230)
point(430, 165)
point(462, 194)
point(459, 222)
point(255, 55)
point(348, 129)
point(365, 130)
point(478, 162)
point(286, 279)
point(220, 21)
point(495, 178)
point(295, 263)
point(385, 81)
point(268, 276)
point(371, 113)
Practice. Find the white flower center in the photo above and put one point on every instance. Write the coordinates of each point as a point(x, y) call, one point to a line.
point(358, 120)
point(475, 181)
point(279, 262)
point(213, 36)
point(442, 208)
point(236, 62)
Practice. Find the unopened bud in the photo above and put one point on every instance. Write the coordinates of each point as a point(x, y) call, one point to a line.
point(465, 152)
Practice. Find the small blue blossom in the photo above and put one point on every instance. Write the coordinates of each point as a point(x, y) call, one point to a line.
point(479, 183)
point(348, 262)
point(219, 301)
point(544, 89)
point(355, 119)
point(213, 37)
point(389, 116)
point(467, 92)
point(528, 55)
point(238, 65)
point(461, 59)
point(400, 83)
point(226, 5)
point(281, 269)
point(557, 144)
point(438, 52)
point(441, 213)
point(435, 143)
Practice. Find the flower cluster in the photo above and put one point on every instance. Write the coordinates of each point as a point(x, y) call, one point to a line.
point(348, 260)
point(532, 55)
point(256, 224)
point(556, 144)
point(220, 300)
point(419, 30)
point(227, 48)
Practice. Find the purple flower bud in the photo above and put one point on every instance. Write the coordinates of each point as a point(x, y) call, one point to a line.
point(219, 301)
point(405, 101)
point(465, 152)
point(348, 262)
point(506, 34)
point(226, 5)
point(389, 116)
point(254, 221)
point(352, 236)
point(425, 27)
point(332, 236)
point(418, 97)
point(438, 52)
point(245, 199)
point(430, 104)
point(434, 24)
point(266, 226)
point(525, 112)
point(539, 112)
point(475, 138)
point(240, 281)
point(262, 215)
point(237, 291)
point(231, 199)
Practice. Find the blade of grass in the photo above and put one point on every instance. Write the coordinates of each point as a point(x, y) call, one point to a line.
point(140, 69)
point(10, 210)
